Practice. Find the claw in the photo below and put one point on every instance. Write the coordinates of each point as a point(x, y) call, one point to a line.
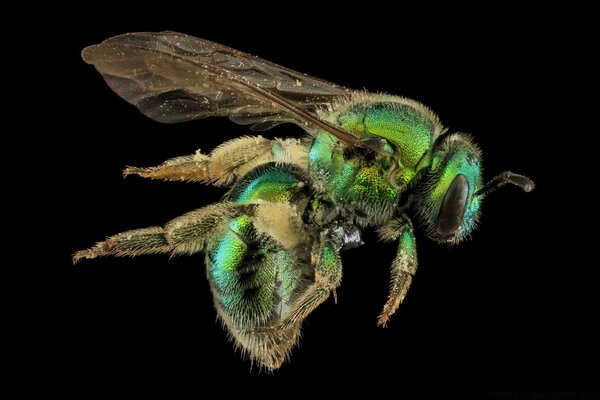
point(132, 171)
point(382, 322)
point(383, 318)
point(99, 249)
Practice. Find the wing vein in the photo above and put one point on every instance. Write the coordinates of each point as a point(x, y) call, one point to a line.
point(173, 77)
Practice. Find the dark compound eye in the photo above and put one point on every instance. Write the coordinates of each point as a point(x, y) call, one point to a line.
point(453, 206)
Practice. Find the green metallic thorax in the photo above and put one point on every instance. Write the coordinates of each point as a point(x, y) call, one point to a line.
point(407, 129)
point(361, 183)
point(357, 188)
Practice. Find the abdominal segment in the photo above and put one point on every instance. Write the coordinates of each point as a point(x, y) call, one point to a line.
point(257, 267)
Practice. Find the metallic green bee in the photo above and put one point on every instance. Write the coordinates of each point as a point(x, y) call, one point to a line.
point(272, 246)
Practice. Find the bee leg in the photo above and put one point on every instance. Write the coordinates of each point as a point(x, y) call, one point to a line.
point(403, 267)
point(131, 243)
point(328, 276)
point(225, 163)
point(186, 234)
point(219, 167)
point(192, 168)
point(192, 232)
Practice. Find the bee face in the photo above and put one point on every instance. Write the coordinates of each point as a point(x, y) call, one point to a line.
point(447, 202)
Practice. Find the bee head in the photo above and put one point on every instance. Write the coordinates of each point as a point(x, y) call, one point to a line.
point(449, 198)
point(447, 203)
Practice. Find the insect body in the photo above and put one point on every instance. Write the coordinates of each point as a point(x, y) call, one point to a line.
point(272, 246)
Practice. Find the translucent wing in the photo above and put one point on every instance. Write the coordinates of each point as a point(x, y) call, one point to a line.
point(172, 77)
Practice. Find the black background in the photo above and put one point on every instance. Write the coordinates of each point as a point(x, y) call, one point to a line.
point(510, 309)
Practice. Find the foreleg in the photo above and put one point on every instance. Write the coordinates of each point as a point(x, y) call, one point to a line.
point(403, 267)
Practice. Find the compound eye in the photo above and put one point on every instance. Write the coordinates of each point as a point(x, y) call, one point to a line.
point(453, 206)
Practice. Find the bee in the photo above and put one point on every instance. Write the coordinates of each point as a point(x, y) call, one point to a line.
point(272, 245)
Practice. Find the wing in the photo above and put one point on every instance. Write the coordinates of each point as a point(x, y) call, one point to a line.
point(172, 77)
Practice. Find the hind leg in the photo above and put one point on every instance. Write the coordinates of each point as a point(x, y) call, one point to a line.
point(227, 162)
point(187, 234)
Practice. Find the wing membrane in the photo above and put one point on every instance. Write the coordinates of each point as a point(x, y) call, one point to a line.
point(172, 77)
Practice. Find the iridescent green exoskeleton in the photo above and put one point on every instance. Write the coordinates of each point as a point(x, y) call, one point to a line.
point(272, 246)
